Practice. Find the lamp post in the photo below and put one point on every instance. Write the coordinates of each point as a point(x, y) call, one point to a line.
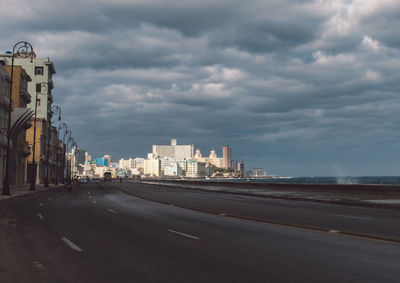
point(43, 85)
point(22, 49)
point(68, 134)
point(74, 145)
point(70, 139)
point(54, 110)
point(61, 126)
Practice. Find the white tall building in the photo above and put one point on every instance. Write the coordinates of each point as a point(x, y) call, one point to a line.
point(152, 165)
point(174, 150)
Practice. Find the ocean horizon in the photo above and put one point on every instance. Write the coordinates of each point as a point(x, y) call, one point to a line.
point(365, 180)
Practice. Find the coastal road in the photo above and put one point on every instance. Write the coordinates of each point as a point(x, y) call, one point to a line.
point(160, 234)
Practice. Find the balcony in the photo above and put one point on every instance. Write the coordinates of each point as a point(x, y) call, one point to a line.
point(4, 102)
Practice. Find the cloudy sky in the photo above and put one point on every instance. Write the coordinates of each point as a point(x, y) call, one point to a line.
point(301, 88)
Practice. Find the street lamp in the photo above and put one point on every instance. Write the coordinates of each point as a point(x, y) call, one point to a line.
point(74, 145)
point(67, 134)
point(63, 127)
point(22, 49)
point(70, 139)
point(43, 85)
point(57, 111)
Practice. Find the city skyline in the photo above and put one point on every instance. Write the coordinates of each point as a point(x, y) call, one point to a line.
point(304, 88)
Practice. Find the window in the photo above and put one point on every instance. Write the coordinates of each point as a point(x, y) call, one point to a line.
point(39, 71)
point(38, 87)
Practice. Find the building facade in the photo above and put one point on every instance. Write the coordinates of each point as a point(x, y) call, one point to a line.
point(41, 71)
point(4, 109)
point(196, 169)
point(227, 156)
point(20, 122)
point(174, 150)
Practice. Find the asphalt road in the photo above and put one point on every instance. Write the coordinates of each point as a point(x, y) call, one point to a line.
point(100, 234)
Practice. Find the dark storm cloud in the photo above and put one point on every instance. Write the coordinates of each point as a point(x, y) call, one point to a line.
point(297, 87)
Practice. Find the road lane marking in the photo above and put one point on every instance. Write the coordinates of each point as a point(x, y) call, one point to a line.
point(334, 231)
point(71, 245)
point(183, 234)
point(41, 204)
point(222, 214)
point(371, 237)
point(90, 196)
point(49, 199)
point(40, 216)
point(94, 201)
point(112, 210)
point(349, 216)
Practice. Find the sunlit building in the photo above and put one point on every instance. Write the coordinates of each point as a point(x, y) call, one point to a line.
point(174, 150)
point(227, 156)
point(196, 169)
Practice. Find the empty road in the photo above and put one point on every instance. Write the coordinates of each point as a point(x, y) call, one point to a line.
point(133, 232)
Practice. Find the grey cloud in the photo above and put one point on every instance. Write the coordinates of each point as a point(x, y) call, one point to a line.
point(283, 84)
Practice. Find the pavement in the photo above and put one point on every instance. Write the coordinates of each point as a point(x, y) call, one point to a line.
point(133, 232)
point(22, 190)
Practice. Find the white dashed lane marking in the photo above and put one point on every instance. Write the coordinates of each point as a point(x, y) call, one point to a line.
point(40, 216)
point(184, 235)
point(350, 216)
point(71, 244)
point(112, 210)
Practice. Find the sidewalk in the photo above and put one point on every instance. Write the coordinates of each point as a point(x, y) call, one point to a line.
point(22, 190)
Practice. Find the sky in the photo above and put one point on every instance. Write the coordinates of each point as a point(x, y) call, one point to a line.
point(300, 88)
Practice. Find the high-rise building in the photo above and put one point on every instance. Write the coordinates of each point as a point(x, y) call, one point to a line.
point(152, 165)
point(227, 156)
point(174, 150)
point(80, 155)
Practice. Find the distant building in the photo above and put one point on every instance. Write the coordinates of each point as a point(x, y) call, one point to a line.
point(152, 165)
point(172, 169)
point(80, 155)
point(227, 156)
point(211, 160)
point(108, 157)
point(240, 168)
point(88, 157)
point(258, 172)
point(196, 169)
point(174, 150)
point(101, 161)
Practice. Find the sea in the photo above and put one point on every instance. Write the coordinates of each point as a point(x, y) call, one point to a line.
point(376, 180)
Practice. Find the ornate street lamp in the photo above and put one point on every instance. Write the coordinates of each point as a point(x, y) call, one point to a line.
point(70, 139)
point(74, 145)
point(43, 85)
point(61, 127)
point(57, 111)
point(67, 134)
point(22, 49)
